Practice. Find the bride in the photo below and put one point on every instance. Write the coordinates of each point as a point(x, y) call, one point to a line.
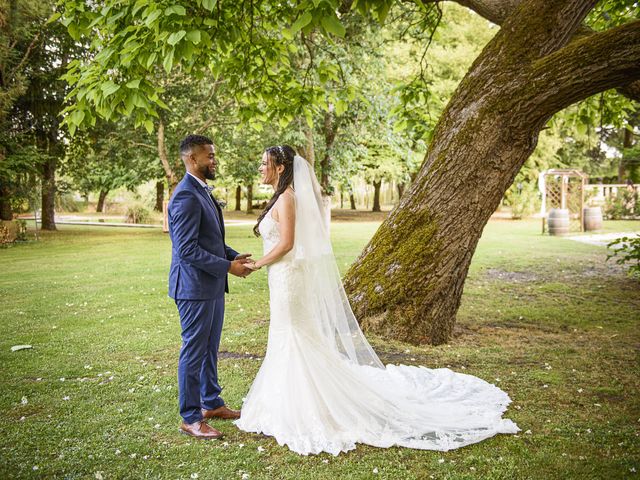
point(321, 387)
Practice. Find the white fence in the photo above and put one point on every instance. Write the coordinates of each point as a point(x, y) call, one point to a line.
point(598, 193)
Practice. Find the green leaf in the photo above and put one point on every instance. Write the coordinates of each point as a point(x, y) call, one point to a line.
point(153, 16)
point(138, 5)
point(308, 116)
point(176, 37)
point(175, 9)
point(151, 59)
point(341, 107)
point(109, 88)
point(134, 83)
point(209, 4)
point(333, 25)
point(148, 124)
point(194, 36)
point(168, 61)
point(301, 22)
point(76, 117)
point(53, 18)
point(129, 104)
point(383, 11)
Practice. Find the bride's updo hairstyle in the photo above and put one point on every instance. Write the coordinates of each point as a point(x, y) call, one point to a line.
point(278, 155)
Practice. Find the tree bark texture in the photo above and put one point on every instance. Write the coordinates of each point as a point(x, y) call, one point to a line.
point(376, 195)
point(238, 198)
point(408, 282)
point(249, 198)
point(159, 196)
point(352, 201)
point(101, 199)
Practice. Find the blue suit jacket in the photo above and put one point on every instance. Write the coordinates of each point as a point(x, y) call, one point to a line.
point(200, 258)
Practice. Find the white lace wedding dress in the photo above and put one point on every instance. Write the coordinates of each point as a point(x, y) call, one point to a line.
point(323, 389)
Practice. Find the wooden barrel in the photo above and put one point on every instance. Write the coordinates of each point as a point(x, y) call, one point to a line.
point(592, 219)
point(558, 221)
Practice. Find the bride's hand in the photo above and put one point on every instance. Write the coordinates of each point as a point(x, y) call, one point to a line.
point(252, 266)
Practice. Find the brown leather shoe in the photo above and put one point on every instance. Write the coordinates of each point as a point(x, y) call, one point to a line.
point(222, 412)
point(200, 430)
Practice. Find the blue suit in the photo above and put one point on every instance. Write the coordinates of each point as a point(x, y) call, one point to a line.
point(200, 260)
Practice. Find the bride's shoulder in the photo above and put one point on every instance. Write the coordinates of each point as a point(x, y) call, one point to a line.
point(288, 196)
point(286, 201)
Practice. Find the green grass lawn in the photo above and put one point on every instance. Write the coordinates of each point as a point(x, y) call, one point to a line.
point(546, 319)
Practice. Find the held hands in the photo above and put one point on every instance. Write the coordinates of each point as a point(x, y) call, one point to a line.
point(241, 266)
point(252, 264)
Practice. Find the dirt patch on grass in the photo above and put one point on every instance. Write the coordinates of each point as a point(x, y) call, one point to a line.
point(505, 276)
point(238, 355)
point(591, 268)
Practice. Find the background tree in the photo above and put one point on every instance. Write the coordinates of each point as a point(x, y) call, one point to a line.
point(102, 159)
point(21, 33)
point(35, 115)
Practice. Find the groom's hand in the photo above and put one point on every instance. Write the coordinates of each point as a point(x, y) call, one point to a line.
point(239, 269)
point(243, 256)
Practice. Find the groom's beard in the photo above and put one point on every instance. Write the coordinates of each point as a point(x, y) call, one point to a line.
point(208, 173)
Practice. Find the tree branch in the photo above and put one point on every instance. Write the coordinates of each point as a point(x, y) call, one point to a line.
point(497, 11)
point(592, 64)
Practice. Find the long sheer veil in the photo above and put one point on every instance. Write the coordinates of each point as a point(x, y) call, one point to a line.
point(323, 290)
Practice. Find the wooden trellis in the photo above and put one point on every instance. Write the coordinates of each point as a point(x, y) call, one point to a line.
point(564, 188)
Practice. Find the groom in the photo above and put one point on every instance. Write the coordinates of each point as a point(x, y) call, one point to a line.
point(200, 261)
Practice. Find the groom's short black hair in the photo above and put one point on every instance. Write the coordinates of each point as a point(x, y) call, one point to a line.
point(190, 141)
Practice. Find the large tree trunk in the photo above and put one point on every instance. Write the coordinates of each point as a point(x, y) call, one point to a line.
point(376, 195)
point(238, 198)
point(159, 196)
point(47, 220)
point(250, 198)
point(352, 200)
point(101, 199)
point(408, 282)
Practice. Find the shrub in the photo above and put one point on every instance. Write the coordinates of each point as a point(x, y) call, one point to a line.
point(13, 231)
point(624, 205)
point(137, 213)
point(629, 252)
point(523, 201)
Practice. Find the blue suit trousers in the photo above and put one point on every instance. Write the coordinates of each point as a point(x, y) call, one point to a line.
point(198, 386)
